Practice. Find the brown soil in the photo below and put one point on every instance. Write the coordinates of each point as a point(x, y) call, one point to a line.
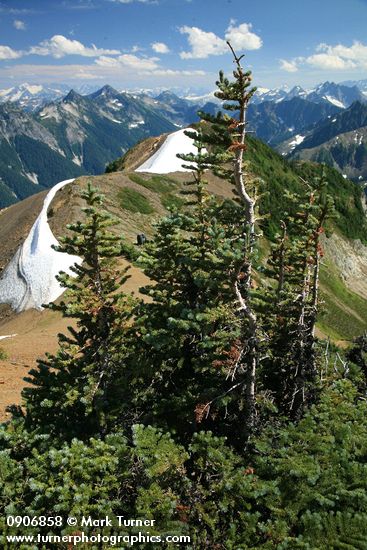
point(35, 333)
point(141, 152)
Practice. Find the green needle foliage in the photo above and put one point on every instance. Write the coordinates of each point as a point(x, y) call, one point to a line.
point(73, 392)
point(189, 330)
point(290, 306)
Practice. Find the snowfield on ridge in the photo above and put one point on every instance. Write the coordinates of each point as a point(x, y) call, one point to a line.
point(165, 160)
point(29, 280)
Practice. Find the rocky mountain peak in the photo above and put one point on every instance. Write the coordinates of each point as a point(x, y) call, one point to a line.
point(72, 97)
point(106, 91)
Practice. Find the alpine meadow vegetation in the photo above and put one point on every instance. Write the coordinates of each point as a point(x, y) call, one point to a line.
point(211, 407)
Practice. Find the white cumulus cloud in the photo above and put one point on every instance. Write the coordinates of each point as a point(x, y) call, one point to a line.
point(59, 46)
point(329, 61)
point(332, 58)
point(8, 53)
point(357, 52)
point(242, 38)
point(148, 66)
point(129, 61)
point(289, 66)
point(19, 25)
point(120, 74)
point(160, 47)
point(203, 43)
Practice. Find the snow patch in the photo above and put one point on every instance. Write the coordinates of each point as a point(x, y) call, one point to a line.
point(5, 92)
point(16, 96)
point(29, 280)
point(34, 89)
point(334, 101)
point(7, 336)
point(115, 103)
point(358, 138)
point(32, 176)
point(165, 160)
point(136, 123)
point(202, 99)
point(50, 112)
point(77, 160)
point(262, 91)
point(296, 141)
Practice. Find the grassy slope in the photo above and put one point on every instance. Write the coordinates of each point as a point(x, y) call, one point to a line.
point(344, 312)
point(279, 174)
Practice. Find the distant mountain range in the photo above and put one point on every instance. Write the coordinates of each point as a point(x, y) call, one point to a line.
point(361, 84)
point(69, 137)
point(339, 141)
point(339, 95)
point(48, 133)
point(276, 121)
point(34, 96)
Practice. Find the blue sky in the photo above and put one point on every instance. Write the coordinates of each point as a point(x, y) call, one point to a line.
point(168, 43)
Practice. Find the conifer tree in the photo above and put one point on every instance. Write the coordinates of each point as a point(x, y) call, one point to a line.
point(226, 142)
point(357, 355)
point(73, 393)
point(195, 350)
point(190, 330)
point(290, 307)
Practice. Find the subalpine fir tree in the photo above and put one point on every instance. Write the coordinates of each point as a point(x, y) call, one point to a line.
point(357, 355)
point(75, 392)
point(190, 330)
point(226, 142)
point(290, 307)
